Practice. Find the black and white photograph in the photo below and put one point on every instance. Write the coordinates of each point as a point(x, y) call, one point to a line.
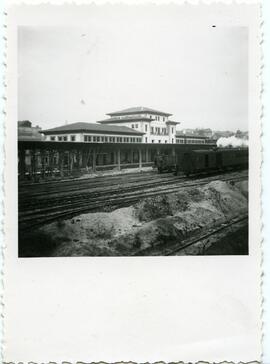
point(132, 182)
point(133, 139)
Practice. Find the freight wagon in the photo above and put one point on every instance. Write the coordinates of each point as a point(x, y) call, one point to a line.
point(196, 161)
point(199, 161)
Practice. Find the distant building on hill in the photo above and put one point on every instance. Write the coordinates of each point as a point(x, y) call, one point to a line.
point(222, 134)
point(242, 134)
point(198, 132)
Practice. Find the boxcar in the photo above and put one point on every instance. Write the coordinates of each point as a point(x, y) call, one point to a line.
point(197, 161)
point(232, 158)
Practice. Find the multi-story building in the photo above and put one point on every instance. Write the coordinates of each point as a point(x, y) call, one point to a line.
point(133, 125)
point(156, 125)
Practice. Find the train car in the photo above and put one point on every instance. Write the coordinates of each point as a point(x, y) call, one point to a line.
point(196, 161)
point(232, 158)
point(200, 161)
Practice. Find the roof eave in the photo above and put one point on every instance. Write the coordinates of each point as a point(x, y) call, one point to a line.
point(108, 121)
point(139, 112)
point(122, 132)
point(172, 122)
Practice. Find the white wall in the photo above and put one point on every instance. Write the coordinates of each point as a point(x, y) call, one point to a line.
point(148, 137)
point(79, 137)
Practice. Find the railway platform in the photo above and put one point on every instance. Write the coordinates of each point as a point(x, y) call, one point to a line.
point(45, 160)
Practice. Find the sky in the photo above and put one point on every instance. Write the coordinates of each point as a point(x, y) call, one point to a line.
point(69, 74)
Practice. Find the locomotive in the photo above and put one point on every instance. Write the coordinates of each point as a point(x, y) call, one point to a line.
point(165, 163)
point(199, 161)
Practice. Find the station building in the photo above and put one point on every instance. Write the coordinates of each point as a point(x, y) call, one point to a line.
point(155, 125)
point(128, 138)
point(93, 133)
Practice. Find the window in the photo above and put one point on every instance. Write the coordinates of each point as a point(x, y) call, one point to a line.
point(73, 138)
point(153, 141)
point(120, 139)
point(172, 140)
point(102, 139)
point(106, 139)
point(136, 126)
point(52, 138)
point(145, 139)
point(65, 138)
point(85, 138)
point(152, 130)
point(89, 138)
point(172, 130)
point(159, 141)
point(163, 118)
point(59, 138)
point(98, 139)
point(132, 126)
point(180, 141)
point(145, 127)
point(165, 141)
point(94, 139)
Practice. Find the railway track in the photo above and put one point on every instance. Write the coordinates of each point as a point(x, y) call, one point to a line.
point(90, 192)
point(39, 212)
point(179, 249)
point(225, 226)
point(39, 189)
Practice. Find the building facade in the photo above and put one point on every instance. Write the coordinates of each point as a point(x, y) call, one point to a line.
point(182, 138)
point(155, 125)
point(93, 133)
point(133, 125)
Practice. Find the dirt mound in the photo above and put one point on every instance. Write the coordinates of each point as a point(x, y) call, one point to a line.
point(156, 221)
